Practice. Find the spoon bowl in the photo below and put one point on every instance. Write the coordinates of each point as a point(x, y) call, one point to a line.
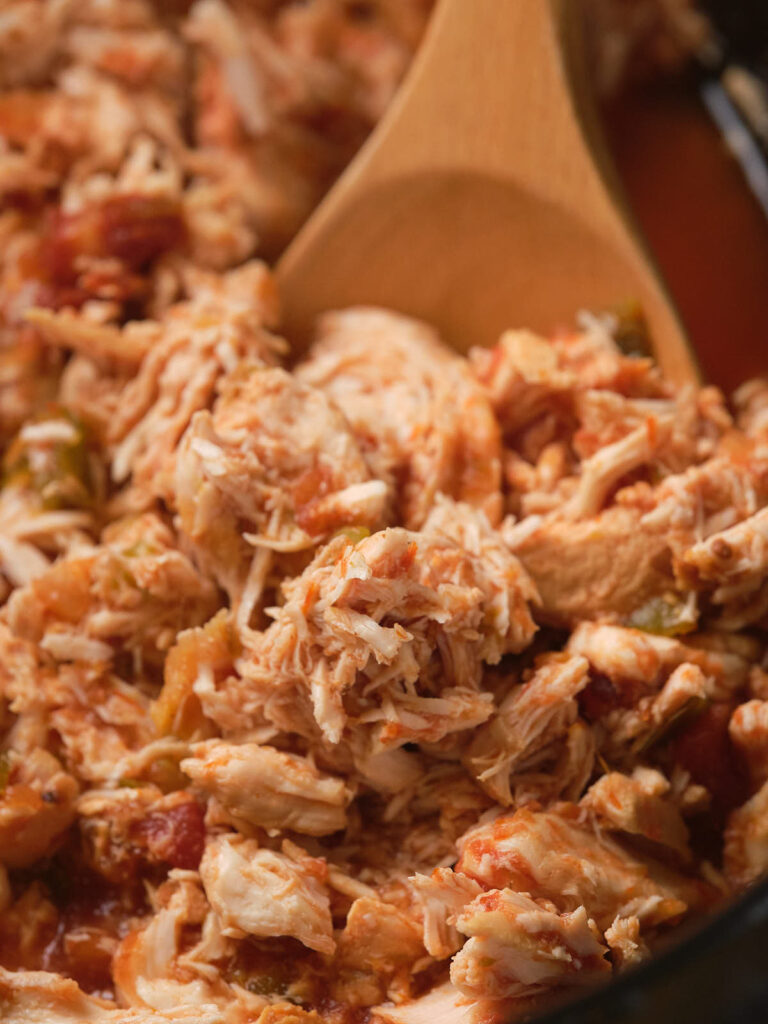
point(424, 265)
point(484, 200)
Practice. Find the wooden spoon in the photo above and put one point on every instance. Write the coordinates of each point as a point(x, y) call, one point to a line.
point(484, 199)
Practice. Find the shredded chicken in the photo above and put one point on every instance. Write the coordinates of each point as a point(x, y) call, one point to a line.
point(633, 657)
point(151, 969)
point(636, 805)
point(381, 944)
point(746, 840)
point(388, 635)
point(516, 946)
point(274, 468)
point(266, 787)
point(748, 729)
point(261, 892)
point(37, 997)
point(196, 343)
point(443, 895)
point(623, 938)
point(131, 593)
point(36, 807)
point(418, 415)
point(358, 679)
point(530, 721)
point(553, 855)
point(602, 567)
point(444, 1003)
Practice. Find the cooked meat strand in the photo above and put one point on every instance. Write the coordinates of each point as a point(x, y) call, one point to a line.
point(364, 680)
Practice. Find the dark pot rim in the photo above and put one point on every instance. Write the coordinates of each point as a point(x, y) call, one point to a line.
point(715, 973)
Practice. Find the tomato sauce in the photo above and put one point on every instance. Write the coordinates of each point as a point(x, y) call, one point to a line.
point(67, 919)
point(707, 231)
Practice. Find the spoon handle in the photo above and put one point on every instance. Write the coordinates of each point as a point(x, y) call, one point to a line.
point(476, 99)
point(487, 170)
point(473, 81)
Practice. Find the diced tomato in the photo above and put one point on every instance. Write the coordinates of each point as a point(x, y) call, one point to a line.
point(133, 229)
point(704, 748)
point(175, 836)
point(602, 695)
point(68, 236)
point(138, 229)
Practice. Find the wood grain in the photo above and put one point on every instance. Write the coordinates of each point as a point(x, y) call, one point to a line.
point(485, 198)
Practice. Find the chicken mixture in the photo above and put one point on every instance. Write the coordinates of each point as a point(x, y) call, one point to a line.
point(378, 685)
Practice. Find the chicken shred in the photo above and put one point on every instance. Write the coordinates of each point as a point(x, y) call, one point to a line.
point(268, 788)
point(552, 855)
point(37, 997)
point(384, 372)
point(515, 946)
point(265, 893)
point(529, 721)
point(388, 634)
point(274, 468)
point(344, 677)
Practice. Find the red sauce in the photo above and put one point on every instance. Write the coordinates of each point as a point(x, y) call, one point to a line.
point(68, 920)
point(708, 233)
